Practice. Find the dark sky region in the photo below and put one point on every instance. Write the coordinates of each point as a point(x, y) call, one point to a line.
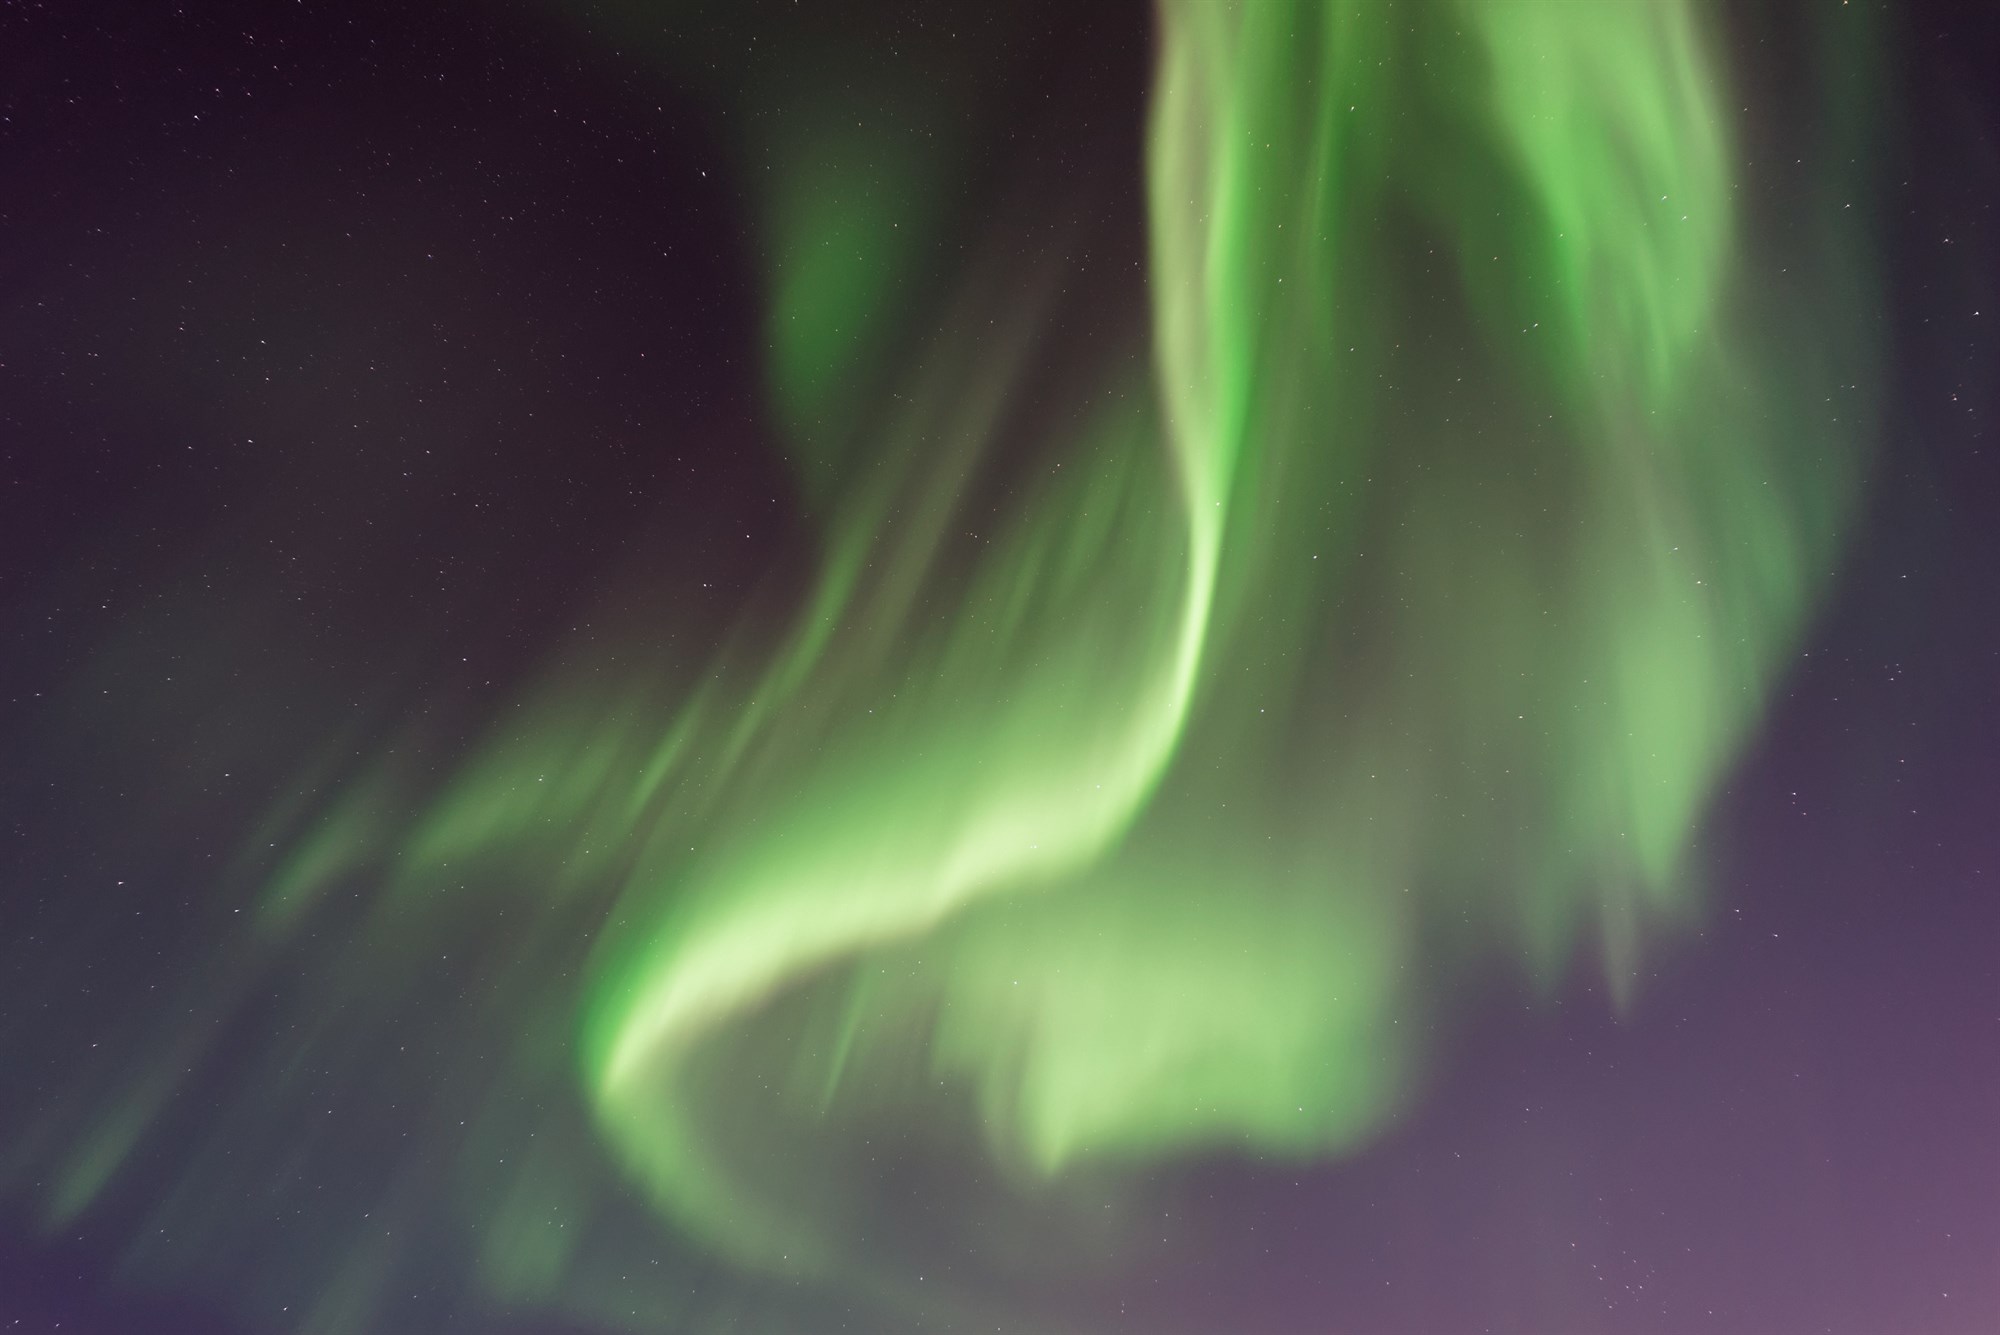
point(574, 578)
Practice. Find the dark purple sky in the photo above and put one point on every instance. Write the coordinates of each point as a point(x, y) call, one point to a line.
point(1797, 1127)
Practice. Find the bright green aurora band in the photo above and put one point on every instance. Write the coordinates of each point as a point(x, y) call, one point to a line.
point(1400, 621)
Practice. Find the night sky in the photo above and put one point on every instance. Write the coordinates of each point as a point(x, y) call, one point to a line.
point(1280, 668)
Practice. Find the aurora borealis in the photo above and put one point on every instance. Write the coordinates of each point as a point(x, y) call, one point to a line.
point(1217, 668)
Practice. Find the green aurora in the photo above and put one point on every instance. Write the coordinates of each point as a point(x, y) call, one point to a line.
point(1380, 611)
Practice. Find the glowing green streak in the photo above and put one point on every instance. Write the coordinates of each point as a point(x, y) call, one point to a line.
point(1614, 120)
point(902, 843)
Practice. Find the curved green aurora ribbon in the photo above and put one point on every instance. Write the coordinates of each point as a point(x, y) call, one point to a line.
point(1419, 622)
